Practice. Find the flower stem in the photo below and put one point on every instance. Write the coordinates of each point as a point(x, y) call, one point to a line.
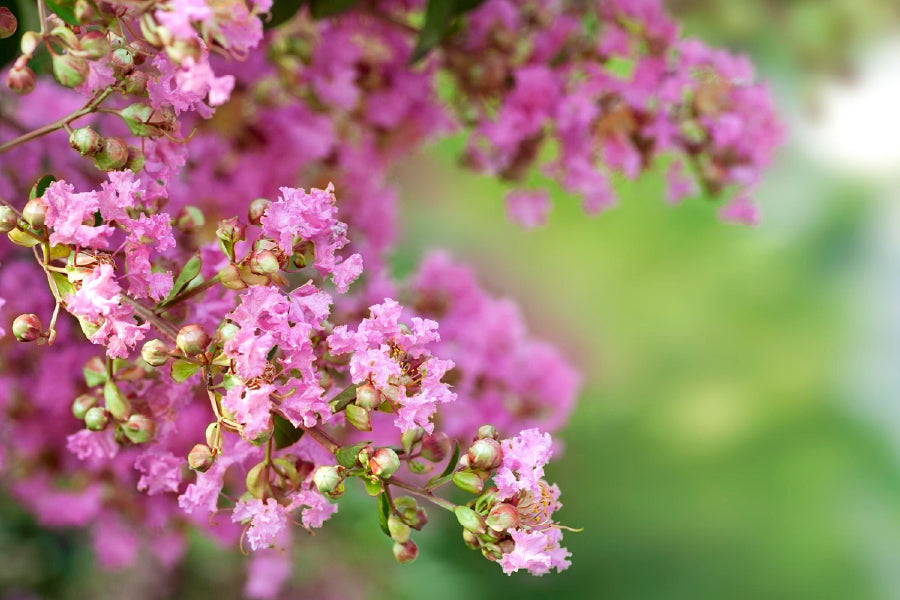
point(445, 504)
point(58, 124)
point(189, 293)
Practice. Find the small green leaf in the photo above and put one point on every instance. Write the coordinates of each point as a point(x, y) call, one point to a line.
point(63, 285)
point(384, 511)
point(373, 488)
point(64, 9)
point(282, 11)
point(188, 273)
point(182, 370)
point(329, 8)
point(285, 433)
point(344, 398)
point(94, 378)
point(346, 457)
point(38, 189)
point(451, 464)
point(116, 402)
point(440, 18)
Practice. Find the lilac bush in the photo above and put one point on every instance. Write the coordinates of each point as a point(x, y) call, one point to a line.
point(204, 346)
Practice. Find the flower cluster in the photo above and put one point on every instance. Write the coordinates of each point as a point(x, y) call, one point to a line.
point(250, 367)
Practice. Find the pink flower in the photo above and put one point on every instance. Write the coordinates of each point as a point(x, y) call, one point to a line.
point(538, 551)
point(267, 521)
point(67, 213)
point(524, 457)
point(251, 408)
point(267, 571)
point(740, 210)
point(528, 208)
point(160, 471)
point(92, 445)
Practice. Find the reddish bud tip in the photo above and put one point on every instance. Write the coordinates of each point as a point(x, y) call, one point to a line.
point(200, 458)
point(384, 463)
point(192, 340)
point(35, 212)
point(485, 454)
point(96, 418)
point(155, 353)
point(405, 552)
point(8, 23)
point(27, 328)
point(435, 446)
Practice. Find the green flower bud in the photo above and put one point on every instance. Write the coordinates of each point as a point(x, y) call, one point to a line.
point(487, 431)
point(502, 517)
point(136, 83)
point(329, 479)
point(8, 23)
point(225, 332)
point(368, 397)
point(230, 277)
point(116, 402)
point(256, 480)
point(82, 404)
point(212, 435)
point(139, 429)
point(21, 79)
point(200, 458)
point(140, 50)
point(121, 62)
point(485, 454)
point(84, 12)
point(29, 42)
point(399, 530)
point(8, 219)
point(27, 328)
point(155, 353)
point(94, 45)
point(192, 340)
point(87, 141)
point(35, 212)
point(469, 519)
point(384, 463)
point(470, 539)
point(113, 154)
point(136, 159)
point(264, 263)
point(257, 209)
point(358, 417)
point(230, 230)
point(491, 551)
point(145, 121)
point(410, 437)
point(405, 552)
point(468, 481)
point(68, 69)
point(435, 446)
point(96, 418)
point(189, 219)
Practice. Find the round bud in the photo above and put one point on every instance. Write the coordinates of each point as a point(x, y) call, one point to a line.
point(84, 12)
point(116, 402)
point(212, 435)
point(94, 44)
point(35, 212)
point(139, 429)
point(21, 79)
point(122, 62)
point(27, 328)
point(8, 23)
point(502, 517)
point(8, 219)
point(136, 159)
point(398, 529)
point(230, 277)
point(136, 83)
point(257, 209)
point(487, 431)
point(468, 481)
point(329, 478)
point(368, 397)
point(192, 340)
point(358, 417)
point(470, 539)
point(225, 332)
point(200, 458)
point(82, 404)
point(87, 141)
point(68, 69)
point(485, 454)
point(113, 154)
point(264, 263)
point(96, 418)
point(189, 219)
point(435, 446)
point(384, 463)
point(155, 353)
point(405, 552)
point(230, 230)
point(469, 519)
point(29, 43)
point(140, 50)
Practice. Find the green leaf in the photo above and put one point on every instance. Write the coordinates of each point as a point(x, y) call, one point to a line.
point(63, 285)
point(182, 370)
point(448, 470)
point(188, 274)
point(344, 398)
point(440, 18)
point(285, 433)
point(329, 8)
point(346, 457)
point(384, 511)
point(38, 189)
point(373, 488)
point(94, 378)
point(282, 11)
point(64, 9)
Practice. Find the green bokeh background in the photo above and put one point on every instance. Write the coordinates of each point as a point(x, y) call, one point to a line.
point(718, 449)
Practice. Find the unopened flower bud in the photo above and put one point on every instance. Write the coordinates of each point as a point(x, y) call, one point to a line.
point(256, 480)
point(122, 62)
point(29, 43)
point(87, 141)
point(435, 446)
point(468, 481)
point(410, 437)
point(94, 44)
point(113, 154)
point(469, 519)
point(470, 539)
point(358, 417)
point(35, 212)
point(487, 432)
point(96, 418)
point(502, 517)
point(139, 429)
point(485, 454)
point(8, 219)
point(365, 455)
point(384, 463)
point(189, 219)
point(136, 159)
point(84, 12)
point(225, 332)
point(257, 209)
point(264, 263)
point(329, 478)
point(82, 404)
point(230, 277)
point(21, 79)
point(155, 353)
point(116, 402)
point(200, 458)
point(399, 530)
point(491, 551)
point(8, 23)
point(27, 328)
point(140, 51)
point(192, 340)
point(69, 70)
point(145, 121)
point(368, 397)
point(405, 552)
point(230, 230)
point(136, 83)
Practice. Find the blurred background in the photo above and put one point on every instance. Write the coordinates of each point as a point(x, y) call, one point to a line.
point(737, 436)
